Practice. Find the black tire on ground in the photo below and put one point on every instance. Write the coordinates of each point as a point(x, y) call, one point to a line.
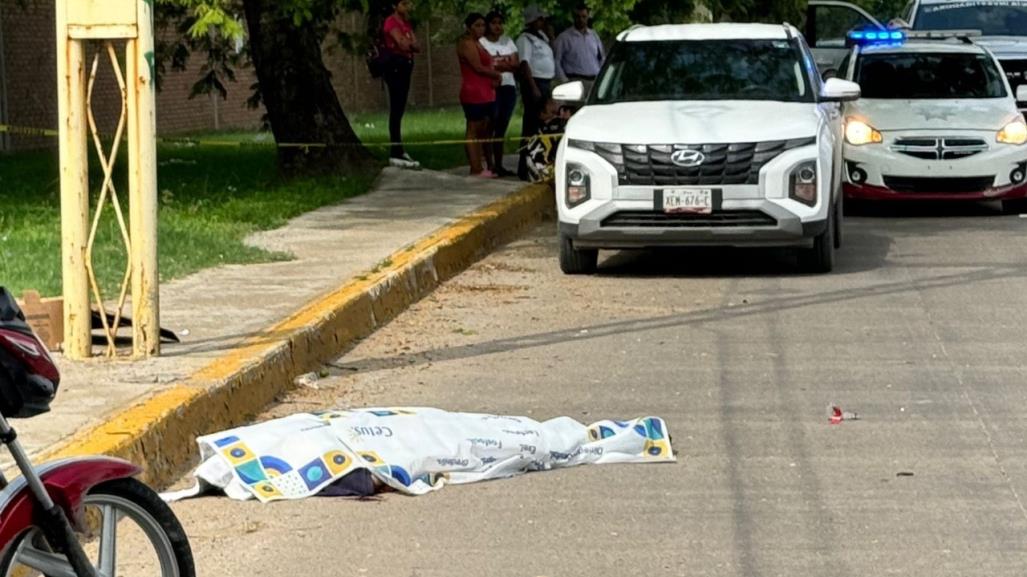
point(839, 210)
point(1014, 206)
point(577, 261)
point(145, 498)
point(820, 257)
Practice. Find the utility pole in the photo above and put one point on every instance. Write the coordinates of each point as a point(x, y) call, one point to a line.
point(106, 23)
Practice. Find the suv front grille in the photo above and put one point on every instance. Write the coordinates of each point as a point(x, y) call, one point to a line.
point(651, 165)
point(941, 148)
point(656, 219)
point(958, 185)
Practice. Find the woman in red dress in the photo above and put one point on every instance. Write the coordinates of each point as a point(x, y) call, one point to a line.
point(478, 82)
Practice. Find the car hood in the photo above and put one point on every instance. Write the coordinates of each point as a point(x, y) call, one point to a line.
point(969, 114)
point(699, 122)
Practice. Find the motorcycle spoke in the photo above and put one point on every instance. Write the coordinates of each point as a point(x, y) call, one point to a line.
point(108, 541)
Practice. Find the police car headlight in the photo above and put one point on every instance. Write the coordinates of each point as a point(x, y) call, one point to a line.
point(1013, 133)
point(858, 132)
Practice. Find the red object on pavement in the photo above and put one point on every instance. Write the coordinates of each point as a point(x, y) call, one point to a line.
point(836, 415)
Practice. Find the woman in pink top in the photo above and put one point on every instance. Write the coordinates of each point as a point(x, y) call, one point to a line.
point(400, 47)
point(478, 81)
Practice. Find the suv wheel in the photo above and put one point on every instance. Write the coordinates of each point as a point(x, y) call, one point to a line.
point(820, 258)
point(577, 261)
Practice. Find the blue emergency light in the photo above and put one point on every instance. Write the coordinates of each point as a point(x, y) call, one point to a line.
point(876, 37)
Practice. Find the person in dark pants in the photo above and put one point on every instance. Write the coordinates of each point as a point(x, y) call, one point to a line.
point(538, 67)
point(478, 82)
point(505, 60)
point(400, 47)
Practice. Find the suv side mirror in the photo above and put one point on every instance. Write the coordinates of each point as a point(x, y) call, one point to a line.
point(1021, 93)
point(899, 23)
point(838, 90)
point(570, 92)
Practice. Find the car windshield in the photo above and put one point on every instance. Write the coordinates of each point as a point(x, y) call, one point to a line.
point(704, 70)
point(929, 75)
point(991, 17)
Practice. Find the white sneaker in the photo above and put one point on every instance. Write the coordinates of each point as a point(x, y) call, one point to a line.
point(404, 162)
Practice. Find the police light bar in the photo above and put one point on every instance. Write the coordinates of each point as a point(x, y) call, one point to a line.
point(875, 37)
point(941, 34)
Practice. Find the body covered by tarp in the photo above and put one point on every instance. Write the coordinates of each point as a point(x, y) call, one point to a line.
point(411, 450)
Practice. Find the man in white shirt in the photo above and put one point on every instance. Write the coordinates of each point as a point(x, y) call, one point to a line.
point(538, 67)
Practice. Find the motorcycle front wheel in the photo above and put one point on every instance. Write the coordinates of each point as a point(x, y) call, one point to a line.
point(129, 531)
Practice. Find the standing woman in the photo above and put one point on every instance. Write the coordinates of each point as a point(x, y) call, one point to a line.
point(478, 81)
point(400, 47)
point(504, 58)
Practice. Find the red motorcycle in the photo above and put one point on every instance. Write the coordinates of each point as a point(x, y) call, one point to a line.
point(81, 517)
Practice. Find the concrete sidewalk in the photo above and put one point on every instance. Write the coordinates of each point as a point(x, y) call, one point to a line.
point(217, 310)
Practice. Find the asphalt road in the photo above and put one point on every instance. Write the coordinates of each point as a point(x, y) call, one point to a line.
point(920, 330)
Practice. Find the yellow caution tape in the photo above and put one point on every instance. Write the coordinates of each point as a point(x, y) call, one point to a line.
point(28, 131)
point(24, 130)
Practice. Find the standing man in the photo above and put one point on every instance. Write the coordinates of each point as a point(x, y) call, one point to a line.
point(537, 70)
point(579, 52)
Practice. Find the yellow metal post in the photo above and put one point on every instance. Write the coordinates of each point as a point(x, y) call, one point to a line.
point(106, 22)
point(142, 158)
point(74, 171)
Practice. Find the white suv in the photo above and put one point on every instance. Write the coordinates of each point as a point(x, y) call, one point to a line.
point(703, 134)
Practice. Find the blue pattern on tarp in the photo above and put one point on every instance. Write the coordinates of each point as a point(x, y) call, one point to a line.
point(250, 472)
point(225, 441)
point(274, 464)
point(314, 474)
point(400, 474)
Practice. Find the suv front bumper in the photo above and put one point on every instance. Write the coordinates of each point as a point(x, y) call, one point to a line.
point(624, 225)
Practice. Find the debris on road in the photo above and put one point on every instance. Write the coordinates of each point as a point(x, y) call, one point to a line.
point(836, 415)
point(308, 380)
point(410, 450)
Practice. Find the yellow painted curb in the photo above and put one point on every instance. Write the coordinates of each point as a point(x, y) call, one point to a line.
point(159, 433)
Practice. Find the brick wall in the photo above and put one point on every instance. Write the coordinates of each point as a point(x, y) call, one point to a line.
point(29, 50)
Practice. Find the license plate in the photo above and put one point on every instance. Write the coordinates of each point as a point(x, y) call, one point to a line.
point(688, 200)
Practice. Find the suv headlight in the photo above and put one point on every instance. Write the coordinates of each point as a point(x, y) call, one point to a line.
point(802, 183)
point(1013, 133)
point(858, 132)
point(577, 185)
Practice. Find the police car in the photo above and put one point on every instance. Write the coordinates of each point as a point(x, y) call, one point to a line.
point(1002, 25)
point(936, 120)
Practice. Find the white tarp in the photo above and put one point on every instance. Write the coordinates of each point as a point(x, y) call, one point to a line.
point(412, 450)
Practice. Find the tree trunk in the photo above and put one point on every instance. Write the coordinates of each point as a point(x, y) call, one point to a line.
point(296, 89)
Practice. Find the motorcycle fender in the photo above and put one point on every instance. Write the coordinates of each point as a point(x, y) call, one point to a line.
point(67, 481)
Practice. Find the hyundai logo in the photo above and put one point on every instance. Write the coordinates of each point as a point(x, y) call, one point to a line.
point(687, 158)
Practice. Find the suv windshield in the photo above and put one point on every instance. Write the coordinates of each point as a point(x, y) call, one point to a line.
point(704, 70)
point(991, 17)
point(927, 75)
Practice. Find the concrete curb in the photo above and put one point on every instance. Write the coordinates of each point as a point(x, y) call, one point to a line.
point(159, 432)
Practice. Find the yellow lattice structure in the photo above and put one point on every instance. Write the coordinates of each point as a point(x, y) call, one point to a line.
point(102, 22)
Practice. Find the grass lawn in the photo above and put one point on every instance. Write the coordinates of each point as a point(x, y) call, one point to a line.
point(211, 198)
point(425, 126)
point(422, 128)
